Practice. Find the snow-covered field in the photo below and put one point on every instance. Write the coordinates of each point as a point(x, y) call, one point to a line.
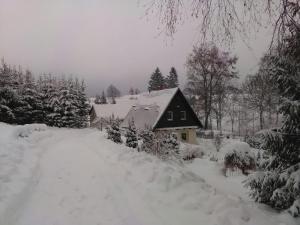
point(51, 176)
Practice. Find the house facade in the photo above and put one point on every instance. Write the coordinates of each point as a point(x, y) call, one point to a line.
point(161, 111)
point(175, 115)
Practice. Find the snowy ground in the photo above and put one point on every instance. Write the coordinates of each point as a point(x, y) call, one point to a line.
point(67, 177)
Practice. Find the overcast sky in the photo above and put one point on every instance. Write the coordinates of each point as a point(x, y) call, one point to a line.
point(102, 41)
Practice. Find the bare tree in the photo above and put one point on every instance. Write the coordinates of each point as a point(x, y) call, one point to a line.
point(113, 92)
point(208, 71)
point(232, 105)
point(224, 20)
point(260, 95)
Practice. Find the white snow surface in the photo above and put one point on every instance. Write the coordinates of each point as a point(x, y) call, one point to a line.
point(74, 177)
point(124, 103)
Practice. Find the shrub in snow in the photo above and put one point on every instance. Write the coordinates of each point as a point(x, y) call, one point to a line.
point(163, 145)
point(28, 129)
point(278, 185)
point(114, 133)
point(131, 136)
point(147, 137)
point(168, 146)
point(238, 156)
point(190, 152)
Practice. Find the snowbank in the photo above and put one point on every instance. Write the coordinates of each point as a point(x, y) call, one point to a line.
point(28, 129)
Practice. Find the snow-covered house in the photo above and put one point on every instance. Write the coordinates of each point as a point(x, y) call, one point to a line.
point(162, 111)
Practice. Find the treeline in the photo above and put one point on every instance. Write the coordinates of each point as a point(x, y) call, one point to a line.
point(51, 100)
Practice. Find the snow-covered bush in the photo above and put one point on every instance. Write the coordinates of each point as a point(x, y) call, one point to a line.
point(238, 156)
point(163, 145)
point(147, 137)
point(279, 190)
point(131, 136)
point(168, 147)
point(114, 133)
point(28, 129)
point(190, 152)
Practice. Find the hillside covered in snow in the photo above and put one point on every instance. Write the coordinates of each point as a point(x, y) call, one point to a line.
point(67, 177)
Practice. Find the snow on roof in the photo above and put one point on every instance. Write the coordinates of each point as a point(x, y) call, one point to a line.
point(123, 104)
point(143, 116)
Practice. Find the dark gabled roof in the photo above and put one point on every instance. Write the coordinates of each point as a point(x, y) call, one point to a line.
point(178, 95)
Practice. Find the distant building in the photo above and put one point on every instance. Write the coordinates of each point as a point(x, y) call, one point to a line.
point(162, 111)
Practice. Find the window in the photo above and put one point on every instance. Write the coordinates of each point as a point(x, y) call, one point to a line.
point(183, 115)
point(170, 115)
point(183, 136)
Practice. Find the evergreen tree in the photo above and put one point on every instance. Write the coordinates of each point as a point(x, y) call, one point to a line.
point(52, 104)
point(103, 98)
point(131, 91)
point(8, 99)
point(114, 133)
point(31, 110)
point(112, 91)
point(6, 78)
point(147, 136)
point(131, 136)
point(279, 184)
point(97, 99)
point(169, 147)
point(172, 79)
point(68, 103)
point(157, 81)
point(83, 105)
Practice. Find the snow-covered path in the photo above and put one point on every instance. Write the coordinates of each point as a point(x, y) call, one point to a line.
point(79, 185)
point(80, 177)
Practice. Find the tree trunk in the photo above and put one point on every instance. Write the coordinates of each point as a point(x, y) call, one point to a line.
point(261, 119)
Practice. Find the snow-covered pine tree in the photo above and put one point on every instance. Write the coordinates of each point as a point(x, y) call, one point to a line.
point(82, 105)
point(279, 184)
point(97, 99)
point(157, 81)
point(30, 109)
point(10, 100)
point(68, 103)
point(114, 133)
point(131, 136)
point(147, 137)
point(51, 101)
point(103, 98)
point(6, 78)
point(169, 147)
point(172, 79)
